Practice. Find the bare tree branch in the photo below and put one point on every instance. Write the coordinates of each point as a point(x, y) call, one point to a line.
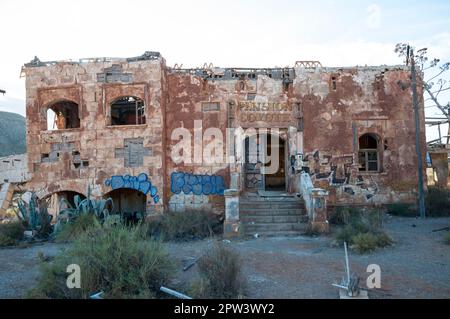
point(443, 109)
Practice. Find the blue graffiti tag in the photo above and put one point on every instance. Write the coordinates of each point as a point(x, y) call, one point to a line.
point(197, 184)
point(140, 183)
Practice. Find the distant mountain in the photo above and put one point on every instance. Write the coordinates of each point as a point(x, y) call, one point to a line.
point(12, 134)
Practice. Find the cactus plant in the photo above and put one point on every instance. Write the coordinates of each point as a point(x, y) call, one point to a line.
point(98, 207)
point(34, 216)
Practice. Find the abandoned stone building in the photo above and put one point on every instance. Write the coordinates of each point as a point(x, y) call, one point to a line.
point(113, 125)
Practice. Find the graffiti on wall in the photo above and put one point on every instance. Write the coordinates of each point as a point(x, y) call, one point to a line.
point(140, 183)
point(339, 171)
point(197, 184)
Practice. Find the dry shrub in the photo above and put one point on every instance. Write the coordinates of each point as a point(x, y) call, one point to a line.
point(183, 226)
point(437, 201)
point(221, 275)
point(72, 230)
point(115, 260)
point(11, 233)
point(363, 230)
point(447, 238)
point(402, 209)
point(368, 242)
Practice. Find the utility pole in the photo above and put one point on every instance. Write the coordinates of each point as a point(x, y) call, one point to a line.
point(417, 122)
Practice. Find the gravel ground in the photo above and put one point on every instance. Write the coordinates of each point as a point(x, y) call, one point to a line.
point(417, 266)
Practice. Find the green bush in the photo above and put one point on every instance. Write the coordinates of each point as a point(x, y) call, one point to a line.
point(362, 230)
point(437, 201)
point(364, 242)
point(183, 226)
point(221, 275)
point(115, 260)
point(72, 230)
point(367, 242)
point(402, 209)
point(11, 233)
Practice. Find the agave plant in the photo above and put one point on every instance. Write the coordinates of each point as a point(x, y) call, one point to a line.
point(35, 217)
point(98, 207)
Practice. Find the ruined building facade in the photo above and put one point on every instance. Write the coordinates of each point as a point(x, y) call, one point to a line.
point(109, 124)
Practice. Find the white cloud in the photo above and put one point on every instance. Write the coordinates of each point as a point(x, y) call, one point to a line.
point(374, 16)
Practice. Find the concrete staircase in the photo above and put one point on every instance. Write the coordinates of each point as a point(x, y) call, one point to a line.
point(273, 215)
point(6, 194)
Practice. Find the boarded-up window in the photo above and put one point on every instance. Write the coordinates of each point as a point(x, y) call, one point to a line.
point(133, 152)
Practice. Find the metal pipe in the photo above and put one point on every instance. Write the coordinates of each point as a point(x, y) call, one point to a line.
point(346, 263)
point(174, 293)
point(421, 198)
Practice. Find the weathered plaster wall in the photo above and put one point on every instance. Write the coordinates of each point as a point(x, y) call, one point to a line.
point(95, 143)
point(365, 100)
point(13, 169)
point(327, 108)
point(330, 109)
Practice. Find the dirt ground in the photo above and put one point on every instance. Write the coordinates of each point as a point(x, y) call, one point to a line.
point(417, 266)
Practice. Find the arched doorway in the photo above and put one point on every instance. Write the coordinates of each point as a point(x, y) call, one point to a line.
point(55, 203)
point(264, 164)
point(127, 201)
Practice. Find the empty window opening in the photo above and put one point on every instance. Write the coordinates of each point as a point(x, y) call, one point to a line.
point(368, 156)
point(333, 83)
point(128, 110)
point(63, 115)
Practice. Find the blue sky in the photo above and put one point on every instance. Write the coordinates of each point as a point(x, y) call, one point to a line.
point(226, 33)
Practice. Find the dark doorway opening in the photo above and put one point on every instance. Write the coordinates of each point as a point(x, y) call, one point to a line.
point(128, 203)
point(276, 148)
point(260, 174)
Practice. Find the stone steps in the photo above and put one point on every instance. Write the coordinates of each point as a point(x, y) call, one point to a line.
point(270, 205)
point(272, 216)
point(272, 212)
point(263, 228)
point(274, 219)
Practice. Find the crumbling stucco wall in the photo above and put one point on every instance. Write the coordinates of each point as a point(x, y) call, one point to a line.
point(14, 169)
point(319, 113)
point(329, 108)
point(73, 159)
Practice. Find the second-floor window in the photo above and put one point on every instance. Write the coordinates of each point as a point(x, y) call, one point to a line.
point(62, 115)
point(127, 110)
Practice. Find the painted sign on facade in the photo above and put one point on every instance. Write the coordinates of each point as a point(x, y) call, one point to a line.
point(197, 184)
point(140, 183)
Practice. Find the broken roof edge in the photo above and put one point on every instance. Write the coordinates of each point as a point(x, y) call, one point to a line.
point(154, 55)
point(147, 56)
point(326, 68)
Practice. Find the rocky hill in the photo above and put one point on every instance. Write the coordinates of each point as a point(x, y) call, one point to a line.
point(12, 134)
